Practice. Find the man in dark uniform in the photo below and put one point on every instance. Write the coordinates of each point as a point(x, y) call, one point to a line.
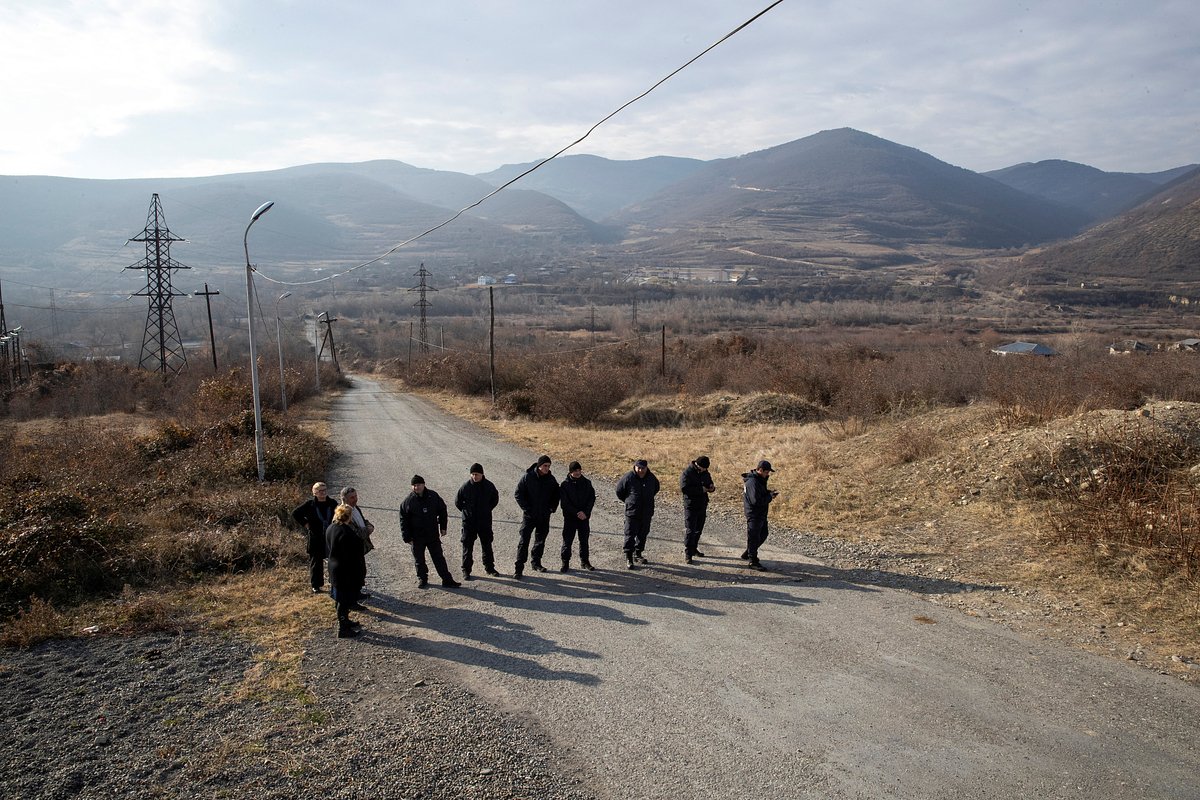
point(316, 514)
point(578, 500)
point(696, 484)
point(756, 499)
point(475, 499)
point(423, 520)
point(537, 495)
point(637, 489)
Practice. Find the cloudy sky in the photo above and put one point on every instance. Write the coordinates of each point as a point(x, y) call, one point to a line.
point(146, 88)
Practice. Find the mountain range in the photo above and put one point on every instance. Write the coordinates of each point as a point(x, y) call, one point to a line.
point(838, 199)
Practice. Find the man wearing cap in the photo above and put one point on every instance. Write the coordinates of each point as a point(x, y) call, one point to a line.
point(756, 498)
point(537, 495)
point(637, 489)
point(696, 484)
point(475, 499)
point(578, 500)
point(423, 520)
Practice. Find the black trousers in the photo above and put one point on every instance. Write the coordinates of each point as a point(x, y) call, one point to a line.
point(756, 534)
point(316, 560)
point(434, 545)
point(693, 525)
point(539, 529)
point(484, 535)
point(636, 530)
point(572, 526)
point(345, 597)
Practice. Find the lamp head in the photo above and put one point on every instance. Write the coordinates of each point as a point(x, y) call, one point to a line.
point(258, 212)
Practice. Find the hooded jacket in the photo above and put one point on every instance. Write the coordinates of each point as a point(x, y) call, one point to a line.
point(577, 495)
point(638, 493)
point(423, 516)
point(537, 494)
point(756, 497)
point(694, 483)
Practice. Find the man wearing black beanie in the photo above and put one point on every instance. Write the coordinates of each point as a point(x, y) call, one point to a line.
point(423, 520)
point(475, 499)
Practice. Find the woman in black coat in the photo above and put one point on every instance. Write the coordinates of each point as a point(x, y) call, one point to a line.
point(347, 568)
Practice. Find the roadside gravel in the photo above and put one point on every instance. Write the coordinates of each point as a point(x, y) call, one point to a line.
point(162, 716)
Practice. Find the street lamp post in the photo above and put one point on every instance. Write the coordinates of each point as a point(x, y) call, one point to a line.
point(258, 430)
point(279, 341)
point(317, 345)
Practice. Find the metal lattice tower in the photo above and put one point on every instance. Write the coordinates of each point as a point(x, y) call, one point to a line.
point(162, 349)
point(423, 304)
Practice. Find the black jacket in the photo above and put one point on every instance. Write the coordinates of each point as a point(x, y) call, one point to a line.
point(638, 493)
point(347, 562)
point(423, 516)
point(694, 483)
point(476, 501)
point(577, 495)
point(536, 494)
point(316, 516)
point(756, 497)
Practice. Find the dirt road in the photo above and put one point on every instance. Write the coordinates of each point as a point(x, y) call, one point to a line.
point(712, 681)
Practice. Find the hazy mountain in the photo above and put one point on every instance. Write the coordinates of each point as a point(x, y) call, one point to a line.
point(597, 187)
point(327, 215)
point(1098, 194)
point(844, 184)
point(1158, 242)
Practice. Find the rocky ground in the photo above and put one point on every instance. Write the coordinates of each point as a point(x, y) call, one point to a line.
point(164, 716)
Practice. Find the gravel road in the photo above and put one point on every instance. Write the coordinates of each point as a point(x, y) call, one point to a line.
point(712, 681)
point(705, 681)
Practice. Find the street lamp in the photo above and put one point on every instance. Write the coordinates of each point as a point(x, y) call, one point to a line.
point(258, 430)
point(279, 341)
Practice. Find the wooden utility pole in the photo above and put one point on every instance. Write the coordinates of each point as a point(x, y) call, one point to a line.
point(212, 339)
point(662, 370)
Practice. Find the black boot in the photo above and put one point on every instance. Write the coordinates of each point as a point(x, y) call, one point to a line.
point(537, 565)
point(587, 565)
point(566, 567)
point(345, 629)
point(518, 571)
point(629, 561)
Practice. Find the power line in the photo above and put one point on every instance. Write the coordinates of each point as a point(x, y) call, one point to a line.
point(536, 166)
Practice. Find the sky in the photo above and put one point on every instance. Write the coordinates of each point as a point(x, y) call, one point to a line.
point(178, 88)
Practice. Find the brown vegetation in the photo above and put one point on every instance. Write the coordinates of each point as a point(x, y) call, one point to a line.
point(101, 503)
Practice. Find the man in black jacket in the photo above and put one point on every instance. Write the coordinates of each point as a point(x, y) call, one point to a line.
point(475, 499)
point(537, 495)
point(696, 484)
point(578, 499)
point(316, 514)
point(756, 500)
point(637, 489)
point(423, 520)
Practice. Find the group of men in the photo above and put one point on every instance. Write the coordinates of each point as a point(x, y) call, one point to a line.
point(424, 520)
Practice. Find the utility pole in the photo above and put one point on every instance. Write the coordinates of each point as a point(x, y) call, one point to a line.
point(662, 370)
point(162, 349)
point(492, 342)
point(328, 322)
point(5, 345)
point(212, 339)
point(423, 287)
point(633, 320)
point(593, 325)
point(317, 347)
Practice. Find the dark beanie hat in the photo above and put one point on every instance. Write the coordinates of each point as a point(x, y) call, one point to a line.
point(574, 465)
point(702, 461)
point(476, 468)
point(416, 479)
point(641, 462)
point(543, 460)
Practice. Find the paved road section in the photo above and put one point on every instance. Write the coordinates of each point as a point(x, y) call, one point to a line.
point(711, 681)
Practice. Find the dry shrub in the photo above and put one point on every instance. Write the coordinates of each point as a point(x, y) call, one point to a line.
point(35, 622)
point(1127, 493)
point(839, 430)
point(580, 392)
point(774, 408)
point(915, 445)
